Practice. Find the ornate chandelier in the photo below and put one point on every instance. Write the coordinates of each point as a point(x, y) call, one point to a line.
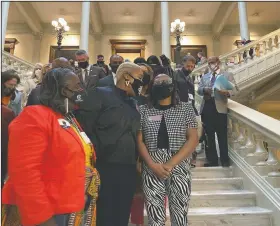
point(177, 28)
point(61, 27)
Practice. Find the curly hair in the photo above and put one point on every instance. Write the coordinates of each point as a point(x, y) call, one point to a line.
point(175, 100)
point(50, 90)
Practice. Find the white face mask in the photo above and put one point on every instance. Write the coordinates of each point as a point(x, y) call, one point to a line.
point(38, 73)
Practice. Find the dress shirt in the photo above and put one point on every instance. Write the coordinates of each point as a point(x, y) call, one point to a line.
point(217, 73)
point(84, 72)
point(114, 77)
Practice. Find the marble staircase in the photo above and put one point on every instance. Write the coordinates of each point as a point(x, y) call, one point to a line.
point(219, 199)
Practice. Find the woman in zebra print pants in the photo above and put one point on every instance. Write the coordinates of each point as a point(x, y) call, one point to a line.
point(166, 141)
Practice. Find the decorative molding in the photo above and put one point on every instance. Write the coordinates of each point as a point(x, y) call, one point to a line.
point(30, 15)
point(128, 46)
point(96, 17)
point(157, 18)
point(221, 17)
point(255, 29)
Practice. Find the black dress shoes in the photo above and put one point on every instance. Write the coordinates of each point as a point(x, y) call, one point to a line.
point(225, 164)
point(210, 164)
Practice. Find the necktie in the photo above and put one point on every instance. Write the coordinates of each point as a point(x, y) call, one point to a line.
point(213, 79)
point(86, 75)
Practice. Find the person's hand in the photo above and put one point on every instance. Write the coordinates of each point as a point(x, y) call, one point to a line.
point(159, 171)
point(224, 93)
point(168, 167)
point(49, 222)
point(207, 91)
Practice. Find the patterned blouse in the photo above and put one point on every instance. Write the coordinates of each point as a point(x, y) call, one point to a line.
point(178, 119)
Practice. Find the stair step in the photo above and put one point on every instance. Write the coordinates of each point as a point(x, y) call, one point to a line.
point(234, 216)
point(209, 184)
point(211, 172)
point(232, 198)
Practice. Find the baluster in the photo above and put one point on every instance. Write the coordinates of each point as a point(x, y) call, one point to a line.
point(241, 59)
point(260, 153)
point(275, 43)
point(274, 162)
point(238, 136)
point(261, 51)
point(236, 59)
point(249, 145)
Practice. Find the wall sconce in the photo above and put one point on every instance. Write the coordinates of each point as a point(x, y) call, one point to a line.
point(177, 28)
point(60, 28)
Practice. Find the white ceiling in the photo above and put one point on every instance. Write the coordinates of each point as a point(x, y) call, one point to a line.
point(202, 12)
point(143, 12)
point(48, 11)
point(114, 12)
point(269, 13)
point(14, 15)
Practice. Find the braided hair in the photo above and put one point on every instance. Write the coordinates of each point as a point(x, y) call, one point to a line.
point(50, 90)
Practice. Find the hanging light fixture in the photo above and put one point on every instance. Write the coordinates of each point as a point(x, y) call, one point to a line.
point(60, 27)
point(177, 28)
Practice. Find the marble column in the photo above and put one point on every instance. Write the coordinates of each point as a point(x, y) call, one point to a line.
point(165, 29)
point(5, 12)
point(243, 20)
point(37, 47)
point(84, 34)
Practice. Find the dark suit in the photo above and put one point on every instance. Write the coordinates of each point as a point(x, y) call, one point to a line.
point(94, 74)
point(107, 81)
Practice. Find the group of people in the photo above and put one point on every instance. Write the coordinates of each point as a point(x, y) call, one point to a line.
point(93, 145)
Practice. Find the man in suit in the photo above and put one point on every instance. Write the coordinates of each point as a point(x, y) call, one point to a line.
point(101, 63)
point(214, 112)
point(110, 80)
point(89, 75)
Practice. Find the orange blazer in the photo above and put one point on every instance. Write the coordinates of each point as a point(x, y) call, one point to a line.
point(46, 166)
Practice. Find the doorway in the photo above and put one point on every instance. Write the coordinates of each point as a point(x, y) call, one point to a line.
point(128, 49)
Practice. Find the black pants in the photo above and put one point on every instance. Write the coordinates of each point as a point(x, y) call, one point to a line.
point(215, 123)
point(118, 185)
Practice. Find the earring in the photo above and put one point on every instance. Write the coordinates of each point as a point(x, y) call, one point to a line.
point(127, 82)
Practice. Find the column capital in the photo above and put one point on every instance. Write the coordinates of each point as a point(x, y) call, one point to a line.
point(216, 37)
point(38, 35)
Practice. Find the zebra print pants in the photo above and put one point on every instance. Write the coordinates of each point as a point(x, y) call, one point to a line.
point(177, 188)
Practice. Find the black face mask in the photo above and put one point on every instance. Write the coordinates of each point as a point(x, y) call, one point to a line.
point(136, 86)
point(146, 79)
point(161, 92)
point(101, 63)
point(186, 72)
point(83, 65)
point(77, 96)
point(8, 91)
point(114, 67)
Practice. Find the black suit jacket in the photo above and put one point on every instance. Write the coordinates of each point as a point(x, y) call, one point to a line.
point(107, 81)
point(95, 73)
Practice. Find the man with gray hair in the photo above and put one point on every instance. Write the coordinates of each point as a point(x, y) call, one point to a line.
point(88, 74)
point(109, 117)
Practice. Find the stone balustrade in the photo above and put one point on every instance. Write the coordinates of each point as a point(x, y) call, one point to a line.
point(255, 138)
point(255, 60)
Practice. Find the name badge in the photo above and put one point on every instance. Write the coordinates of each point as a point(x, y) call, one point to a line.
point(85, 138)
point(64, 123)
point(155, 118)
point(191, 96)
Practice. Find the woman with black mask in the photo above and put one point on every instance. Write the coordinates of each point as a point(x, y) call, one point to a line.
point(167, 138)
point(110, 118)
point(52, 180)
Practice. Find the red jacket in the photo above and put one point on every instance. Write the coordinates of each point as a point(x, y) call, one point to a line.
point(46, 166)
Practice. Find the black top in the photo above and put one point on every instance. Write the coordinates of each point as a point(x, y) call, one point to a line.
point(185, 87)
point(110, 119)
point(141, 100)
point(33, 98)
point(163, 139)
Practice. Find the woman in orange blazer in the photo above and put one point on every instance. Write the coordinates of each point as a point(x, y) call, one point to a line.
point(51, 177)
